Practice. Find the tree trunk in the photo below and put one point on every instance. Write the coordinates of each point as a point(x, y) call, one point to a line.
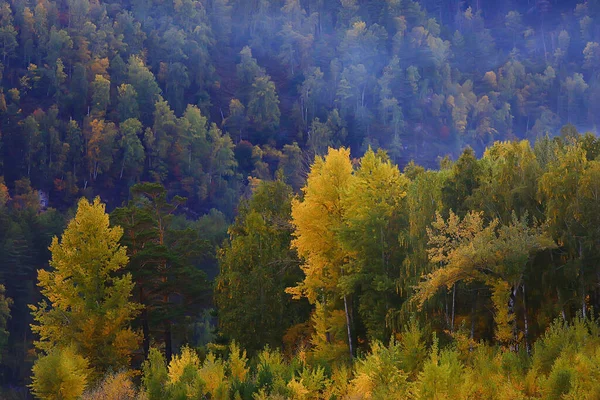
point(560, 302)
point(525, 322)
point(582, 278)
point(544, 42)
point(122, 168)
point(447, 313)
point(473, 304)
point(384, 265)
point(145, 326)
point(562, 307)
point(511, 311)
point(362, 97)
point(453, 307)
point(348, 326)
point(145, 332)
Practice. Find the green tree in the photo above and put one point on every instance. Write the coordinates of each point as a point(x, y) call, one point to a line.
point(312, 94)
point(100, 96)
point(507, 180)
point(40, 16)
point(248, 71)
point(424, 199)
point(293, 44)
point(74, 138)
point(144, 83)
point(352, 89)
point(178, 81)
point(127, 105)
point(168, 284)
point(374, 235)
point(220, 167)
point(514, 23)
point(323, 135)
point(463, 180)
point(132, 151)
point(165, 132)
point(256, 265)
point(79, 91)
point(237, 122)
point(8, 34)
point(263, 107)
point(33, 144)
point(155, 375)
point(194, 145)
point(59, 45)
point(569, 210)
point(292, 166)
point(319, 137)
point(27, 35)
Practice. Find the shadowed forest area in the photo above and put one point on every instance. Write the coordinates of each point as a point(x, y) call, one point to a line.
point(301, 199)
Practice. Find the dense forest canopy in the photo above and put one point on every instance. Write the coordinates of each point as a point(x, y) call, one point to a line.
point(299, 198)
point(97, 95)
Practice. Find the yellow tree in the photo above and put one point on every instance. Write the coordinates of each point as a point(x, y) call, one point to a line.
point(316, 219)
point(87, 304)
point(100, 146)
point(470, 249)
point(62, 374)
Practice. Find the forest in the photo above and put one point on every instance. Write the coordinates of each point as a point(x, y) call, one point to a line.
point(304, 199)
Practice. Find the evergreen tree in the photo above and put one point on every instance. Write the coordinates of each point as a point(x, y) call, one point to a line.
point(256, 265)
point(168, 285)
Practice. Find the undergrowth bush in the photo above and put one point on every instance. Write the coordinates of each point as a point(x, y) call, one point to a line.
point(564, 364)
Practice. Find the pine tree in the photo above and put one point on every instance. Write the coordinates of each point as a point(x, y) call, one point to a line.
point(167, 283)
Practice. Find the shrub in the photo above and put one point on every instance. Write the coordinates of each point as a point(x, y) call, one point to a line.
point(62, 374)
point(155, 375)
point(113, 387)
point(184, 376)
